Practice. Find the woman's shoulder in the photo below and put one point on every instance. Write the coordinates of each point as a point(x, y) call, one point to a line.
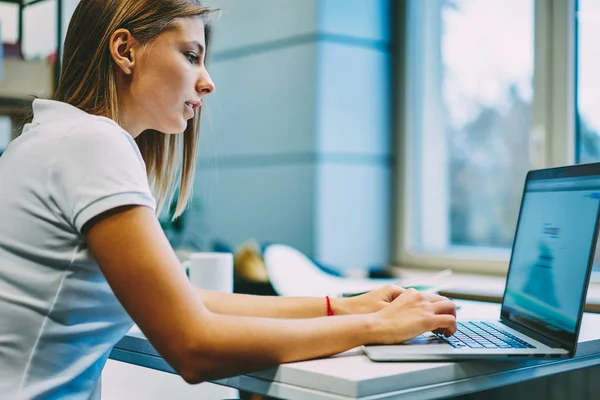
point(96, 129)
point(72, 123)
point(67, 134)
point(99, 135)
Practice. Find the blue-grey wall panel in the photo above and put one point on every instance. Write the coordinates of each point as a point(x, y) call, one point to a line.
point(272, 203)
point(366, 19)
point(353, 214)
point(245, 23)
point(353, 113)
point(263, 103)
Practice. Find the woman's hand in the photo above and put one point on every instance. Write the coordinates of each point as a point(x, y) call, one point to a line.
point(412, 313)
point(367, 303)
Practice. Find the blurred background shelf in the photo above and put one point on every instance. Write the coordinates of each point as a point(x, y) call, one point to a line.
point(14, 106)
point(26, 75)
point(42, 74)
point(40, 78)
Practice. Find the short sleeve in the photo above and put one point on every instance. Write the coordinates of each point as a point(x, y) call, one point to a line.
point(98, 167)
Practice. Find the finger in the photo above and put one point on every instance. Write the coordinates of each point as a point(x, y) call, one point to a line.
point(444, 322)
point(393, 291)
point(409, 290)
point(435, 298)
point(444, 307)
point(448, 332)
point(406, 295)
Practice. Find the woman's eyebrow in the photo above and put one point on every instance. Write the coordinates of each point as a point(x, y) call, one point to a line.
point(198, 45)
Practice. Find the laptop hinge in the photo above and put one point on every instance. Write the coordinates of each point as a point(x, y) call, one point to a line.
point(533, 334)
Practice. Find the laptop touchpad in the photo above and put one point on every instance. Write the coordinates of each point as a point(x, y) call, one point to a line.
point(426, 338)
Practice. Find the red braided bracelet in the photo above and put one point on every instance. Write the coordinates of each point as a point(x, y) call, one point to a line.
point(329, 309)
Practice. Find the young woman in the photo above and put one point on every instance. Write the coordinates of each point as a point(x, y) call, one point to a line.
point(82, 254)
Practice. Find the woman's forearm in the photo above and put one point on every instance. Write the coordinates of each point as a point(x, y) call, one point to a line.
point(270, 306)
point(219, 345)
point(231, 345)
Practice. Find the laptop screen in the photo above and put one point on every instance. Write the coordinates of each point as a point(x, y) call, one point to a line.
point(553, 252)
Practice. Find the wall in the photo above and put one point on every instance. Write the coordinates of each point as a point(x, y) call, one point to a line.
point(296, 138)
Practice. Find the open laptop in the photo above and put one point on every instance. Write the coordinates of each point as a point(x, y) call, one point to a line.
point(547, 279)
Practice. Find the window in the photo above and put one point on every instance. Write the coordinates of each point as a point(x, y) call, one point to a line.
point(39, 26)
point(9, 18)
point(588, 81)
point(469, 123)
point(487, 94)
point(588, 88)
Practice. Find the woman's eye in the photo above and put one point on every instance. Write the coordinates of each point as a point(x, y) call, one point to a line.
point(192, 58)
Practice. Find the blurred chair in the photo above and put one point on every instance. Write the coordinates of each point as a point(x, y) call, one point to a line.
point(249, 273)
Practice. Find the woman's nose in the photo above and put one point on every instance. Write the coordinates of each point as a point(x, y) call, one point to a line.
point(205, 85)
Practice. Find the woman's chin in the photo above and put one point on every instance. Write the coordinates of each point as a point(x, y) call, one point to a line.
point(175, 132)
point(174, 129)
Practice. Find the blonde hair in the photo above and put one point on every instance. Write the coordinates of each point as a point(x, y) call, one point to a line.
point(88, 82)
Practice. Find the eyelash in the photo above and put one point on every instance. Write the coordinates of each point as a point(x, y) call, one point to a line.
point(192, 58)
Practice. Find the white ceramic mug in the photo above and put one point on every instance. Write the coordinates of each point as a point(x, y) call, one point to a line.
point(210, 271)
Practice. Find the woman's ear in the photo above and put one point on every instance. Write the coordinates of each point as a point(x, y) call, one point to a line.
point(123, 49)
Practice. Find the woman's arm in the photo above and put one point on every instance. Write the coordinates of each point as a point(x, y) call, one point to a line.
point(266, 306)
point(297, 307)
point(144, 273)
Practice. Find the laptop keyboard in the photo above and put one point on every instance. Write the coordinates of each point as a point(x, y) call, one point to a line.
point(480, 335)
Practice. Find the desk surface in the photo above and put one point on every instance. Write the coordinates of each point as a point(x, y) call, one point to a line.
point(351, 375)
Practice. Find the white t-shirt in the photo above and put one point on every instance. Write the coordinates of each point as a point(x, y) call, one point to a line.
point(59, 318)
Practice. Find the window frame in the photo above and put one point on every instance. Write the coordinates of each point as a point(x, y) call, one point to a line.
point(552, 138)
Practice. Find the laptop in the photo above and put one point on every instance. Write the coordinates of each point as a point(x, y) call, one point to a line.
point(547, 280)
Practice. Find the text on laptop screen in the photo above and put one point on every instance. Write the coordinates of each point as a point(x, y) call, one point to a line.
point(551, 252)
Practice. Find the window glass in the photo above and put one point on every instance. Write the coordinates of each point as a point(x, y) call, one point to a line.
point(472, 116)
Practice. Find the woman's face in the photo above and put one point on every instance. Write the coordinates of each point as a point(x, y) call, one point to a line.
point(169, 80)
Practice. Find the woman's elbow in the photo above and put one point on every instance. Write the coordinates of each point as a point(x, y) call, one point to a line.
point(193, 370)
point(192, 375)
point(197, 363)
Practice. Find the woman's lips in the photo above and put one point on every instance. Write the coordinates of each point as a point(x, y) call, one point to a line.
point(190, 109)
point(193, 104)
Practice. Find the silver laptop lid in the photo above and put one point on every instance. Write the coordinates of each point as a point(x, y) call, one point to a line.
point(553, 252)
